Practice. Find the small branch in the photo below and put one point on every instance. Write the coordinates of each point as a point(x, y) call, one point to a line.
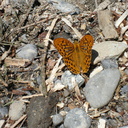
point(54, 70)
point(18, 121)
point(43, 86)
point(74, 29)
point(31, 96)
point(123, 16)
point(36, 23)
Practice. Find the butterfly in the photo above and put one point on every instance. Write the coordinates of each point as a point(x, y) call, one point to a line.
point(77, 56)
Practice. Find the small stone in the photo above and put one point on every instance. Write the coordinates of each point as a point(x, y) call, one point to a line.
point(24, 37)
point(57, 119)
point(66, 93)
point(3, 112)
point(28, 51)
point(67, 109)
point(16, 110)
point(100, 88)
point(77, 118)
point(109, 63)
point(112, 123)
point(66, 79)
point(65, 6)
point(107, 49)
point(38, 79)
point(58, 81)
point(124, 89)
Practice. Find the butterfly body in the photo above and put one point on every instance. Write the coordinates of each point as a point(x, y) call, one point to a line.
point(76, 56)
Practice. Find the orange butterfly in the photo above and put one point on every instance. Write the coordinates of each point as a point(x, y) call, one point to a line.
point(77, 56)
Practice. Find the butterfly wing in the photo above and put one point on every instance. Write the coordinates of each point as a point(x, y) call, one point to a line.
point(70, 63)
point(86, 44)
point(66, 50)
point(64, 47)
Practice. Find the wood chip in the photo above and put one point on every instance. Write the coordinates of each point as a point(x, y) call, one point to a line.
point(15, 62)
point(106, 24)
point(123, 16)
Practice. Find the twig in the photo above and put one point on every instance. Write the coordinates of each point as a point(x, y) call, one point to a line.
point(96, 4)
point(43, 86)
point(49, 82)
point(26, 97)
point(74, 29)
point(50, 30)
point(76, 88)
point(55, 69)
point(18, 121)
point(99, 113)
point(23, 122)
point(36, 23)
point(123, 16)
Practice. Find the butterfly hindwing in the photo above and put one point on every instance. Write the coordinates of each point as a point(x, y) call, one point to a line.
point(70, 63)
point(86, 63)
point(64, 47)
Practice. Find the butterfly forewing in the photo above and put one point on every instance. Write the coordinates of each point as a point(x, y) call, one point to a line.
point(64, 47)
point(86, 44)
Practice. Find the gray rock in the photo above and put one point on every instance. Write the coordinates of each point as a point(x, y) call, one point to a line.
point(65, 6)
point(109, 63)
point(71, 1)
point(113, 123)
point(40, 110)
point(77, 118)
point(108, 49)
point(24, 37)
point(124, 89)
point(100, 88)
point(61, 126)
point(57, 81)
point(28, 51)
point(57, 119)
point(66, 79)
point(67, 109)
point(3, 112)
point(16, 110)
